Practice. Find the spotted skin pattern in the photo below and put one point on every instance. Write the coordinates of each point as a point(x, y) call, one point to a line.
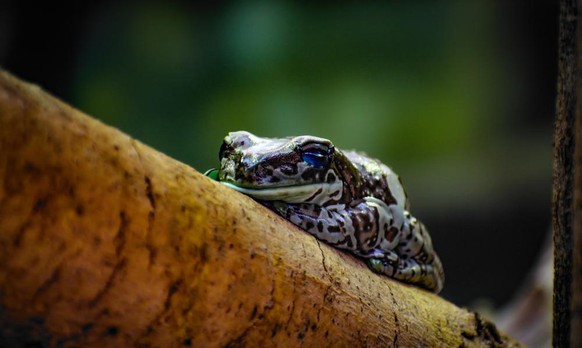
point(343, 198)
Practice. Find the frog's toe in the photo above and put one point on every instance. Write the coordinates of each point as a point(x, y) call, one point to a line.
point(278, 207)
point(382, 266)
point(375, 265)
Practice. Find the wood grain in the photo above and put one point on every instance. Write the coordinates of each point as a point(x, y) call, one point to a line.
point(107, 242)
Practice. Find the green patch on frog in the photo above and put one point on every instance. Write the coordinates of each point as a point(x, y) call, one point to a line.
point(212, 174)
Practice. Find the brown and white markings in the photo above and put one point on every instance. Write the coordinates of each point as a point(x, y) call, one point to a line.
point(344, 198)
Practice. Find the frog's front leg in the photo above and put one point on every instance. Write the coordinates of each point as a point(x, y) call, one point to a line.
point(419, 264)
point(393, 242)
point(363, 227)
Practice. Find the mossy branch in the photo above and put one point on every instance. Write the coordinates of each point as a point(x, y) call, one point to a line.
point(107, 242)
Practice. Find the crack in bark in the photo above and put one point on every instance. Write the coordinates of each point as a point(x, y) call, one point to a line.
point(396, 322)
point(322, 257)
point(149, 190)
point(17, 241)
point(54, 278)
point(237, 341)
point(39, 204)
point(150, 194)
point(172, 290)
point(485, 332)
point(292, 310)
point(119, 241)
point(118, 267)
point(325, 299)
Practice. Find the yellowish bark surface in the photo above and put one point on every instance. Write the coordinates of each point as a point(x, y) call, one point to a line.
point(107, 242)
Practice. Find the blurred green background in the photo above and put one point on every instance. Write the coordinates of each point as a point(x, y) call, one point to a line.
point(457, 97)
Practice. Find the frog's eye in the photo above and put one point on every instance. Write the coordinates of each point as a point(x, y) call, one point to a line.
point(316, 155)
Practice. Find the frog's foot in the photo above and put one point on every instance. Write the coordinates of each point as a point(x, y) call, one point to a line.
point(325, 224)
point(382, 265)
point(277, 206)
point(297, 214)
point(389, 255)
point(410, 271)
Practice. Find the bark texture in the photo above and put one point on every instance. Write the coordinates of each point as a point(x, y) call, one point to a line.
point(576, 271)
point(563, 168)
point(567, 196)
point(107, 242)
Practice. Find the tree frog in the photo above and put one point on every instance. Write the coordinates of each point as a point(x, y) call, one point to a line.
point(343, 198)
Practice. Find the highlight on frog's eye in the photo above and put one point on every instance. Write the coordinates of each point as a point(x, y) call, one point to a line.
point(315, 156)
point(348, 200)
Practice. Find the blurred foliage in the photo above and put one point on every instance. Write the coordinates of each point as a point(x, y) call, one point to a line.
point(399, 80)
point(424, 86)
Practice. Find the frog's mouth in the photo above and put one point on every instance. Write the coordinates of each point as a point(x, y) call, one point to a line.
point(308, 193)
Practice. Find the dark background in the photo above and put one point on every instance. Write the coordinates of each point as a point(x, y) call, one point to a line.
point(457, 97)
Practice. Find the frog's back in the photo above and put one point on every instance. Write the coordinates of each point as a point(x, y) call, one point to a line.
point(379, 180)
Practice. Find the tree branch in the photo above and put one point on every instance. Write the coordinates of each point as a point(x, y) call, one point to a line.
point(107, 242)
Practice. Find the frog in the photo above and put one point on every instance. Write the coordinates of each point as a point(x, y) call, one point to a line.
point(343, 198)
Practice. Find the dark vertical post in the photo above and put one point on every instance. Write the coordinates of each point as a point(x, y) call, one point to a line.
point(563, 182)
point(576, 305)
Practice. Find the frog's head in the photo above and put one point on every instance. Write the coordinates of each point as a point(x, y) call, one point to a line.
point(301, 169)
